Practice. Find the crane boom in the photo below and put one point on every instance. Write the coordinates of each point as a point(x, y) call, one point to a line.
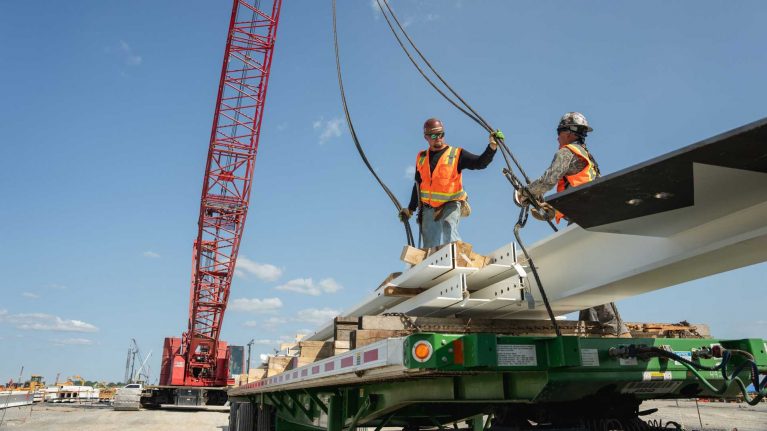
point(199, 358)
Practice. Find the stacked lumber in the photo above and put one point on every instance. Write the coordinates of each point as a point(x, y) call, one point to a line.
point(311, 351)
point(277, 365)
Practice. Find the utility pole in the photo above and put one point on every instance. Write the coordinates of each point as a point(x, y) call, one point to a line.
point(247, 368)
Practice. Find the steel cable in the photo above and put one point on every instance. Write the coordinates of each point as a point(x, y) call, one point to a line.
point(408, 231)
point(474, 115)
point(505, 151)
point(521, 221)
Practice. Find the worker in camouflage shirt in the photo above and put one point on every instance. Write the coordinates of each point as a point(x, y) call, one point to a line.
point(572, 166)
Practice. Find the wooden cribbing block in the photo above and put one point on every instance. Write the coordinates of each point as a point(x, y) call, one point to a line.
point(391, 277)
point(315, 350)
point(465, 256)
point(525, 327)
point(342, 326)
point(297, 361)
point(412, 255)
point(340, 347)
point(278, 364)
point(363, 337)
point(403, 291)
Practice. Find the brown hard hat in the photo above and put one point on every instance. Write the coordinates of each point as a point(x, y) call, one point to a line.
point(433, 125)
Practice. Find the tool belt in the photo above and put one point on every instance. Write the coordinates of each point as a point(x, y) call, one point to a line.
point(463, 207)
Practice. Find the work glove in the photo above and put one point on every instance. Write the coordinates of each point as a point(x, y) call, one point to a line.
point(405, 214)
point(493, 138)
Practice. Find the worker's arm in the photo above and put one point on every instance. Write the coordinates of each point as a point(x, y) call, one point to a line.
point(468, 160)
point(558, 168)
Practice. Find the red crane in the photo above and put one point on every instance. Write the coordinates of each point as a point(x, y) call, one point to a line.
point(199, 358)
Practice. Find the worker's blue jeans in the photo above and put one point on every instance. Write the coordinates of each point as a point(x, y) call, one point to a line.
point(444, 230)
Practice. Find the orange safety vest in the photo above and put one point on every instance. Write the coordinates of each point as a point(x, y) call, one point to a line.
point(445, 183)
point(587, 174)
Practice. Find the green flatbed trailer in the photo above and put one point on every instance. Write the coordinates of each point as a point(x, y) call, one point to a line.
point(492, 381)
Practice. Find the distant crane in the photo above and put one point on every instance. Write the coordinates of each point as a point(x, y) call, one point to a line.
point(130, 361)
point(132, 375)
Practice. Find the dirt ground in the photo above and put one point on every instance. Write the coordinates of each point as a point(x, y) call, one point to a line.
point(714, 415)
point(62, 417)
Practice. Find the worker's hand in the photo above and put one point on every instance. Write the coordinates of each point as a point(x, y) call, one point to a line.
point(405, 214)
point(494, 136)
point(545, 213)
point(520, 199)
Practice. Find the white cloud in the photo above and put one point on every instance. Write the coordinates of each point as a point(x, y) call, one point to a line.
point(270, 323)
point(307, 286)
point(263, 271)
point(129, 57)
point(266, 342)
point(410, 173)
point(316, 316)
point(73, 342)
point(274, 322)
point(264, 358)
point(30, 295)
point(255, 305)
point(150, 254)
point(45, 322)
point(328, 129)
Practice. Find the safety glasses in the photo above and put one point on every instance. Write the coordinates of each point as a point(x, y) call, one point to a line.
point(434, 136)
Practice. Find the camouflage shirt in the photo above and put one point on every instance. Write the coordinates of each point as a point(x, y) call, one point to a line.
point(565, 163)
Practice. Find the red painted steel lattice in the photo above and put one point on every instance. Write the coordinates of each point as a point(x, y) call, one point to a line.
point(227, 184)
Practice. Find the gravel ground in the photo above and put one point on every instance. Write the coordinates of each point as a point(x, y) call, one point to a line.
point(62, 417)
point(715, 416)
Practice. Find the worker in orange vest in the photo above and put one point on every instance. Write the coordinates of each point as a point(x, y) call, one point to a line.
point(438, 188)
point(572, 166)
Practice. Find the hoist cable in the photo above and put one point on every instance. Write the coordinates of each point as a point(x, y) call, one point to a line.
point(474, 115)
point(421, 71)
point(505, 151)
point(521, 221)
point(408, 231)
point(481, 120)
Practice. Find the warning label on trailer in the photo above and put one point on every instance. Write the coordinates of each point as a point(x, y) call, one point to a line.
point(517, 355)
point(656, 375)
point(589, 357)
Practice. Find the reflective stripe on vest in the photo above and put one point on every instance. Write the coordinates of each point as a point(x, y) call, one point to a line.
point(445, 183)
point(585, 175)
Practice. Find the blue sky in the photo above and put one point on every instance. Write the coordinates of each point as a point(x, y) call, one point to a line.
point(105, 118)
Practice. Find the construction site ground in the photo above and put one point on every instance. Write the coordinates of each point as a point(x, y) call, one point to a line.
point(713, 415)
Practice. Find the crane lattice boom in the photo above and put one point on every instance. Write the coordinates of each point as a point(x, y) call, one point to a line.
point(225, 193)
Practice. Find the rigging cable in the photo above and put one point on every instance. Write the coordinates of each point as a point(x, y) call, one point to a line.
point(474, 115)
point(408, 231)
point(508, 173)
